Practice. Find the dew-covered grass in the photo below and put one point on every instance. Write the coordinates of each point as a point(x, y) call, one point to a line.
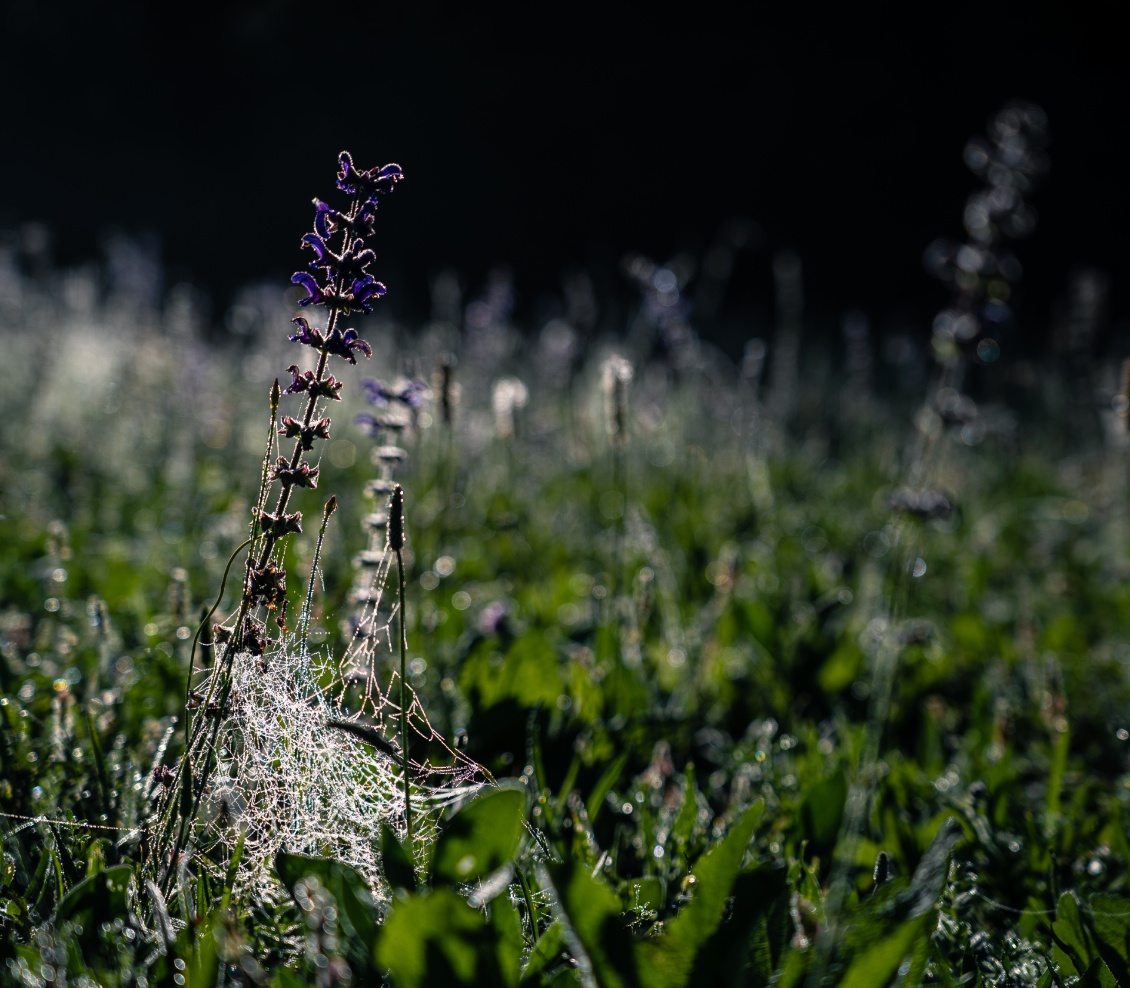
point(708, 683)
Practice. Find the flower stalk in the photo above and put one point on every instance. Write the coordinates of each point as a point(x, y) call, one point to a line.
point(338, 279)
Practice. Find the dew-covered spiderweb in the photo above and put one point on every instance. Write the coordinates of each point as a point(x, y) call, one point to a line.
point(308, 754)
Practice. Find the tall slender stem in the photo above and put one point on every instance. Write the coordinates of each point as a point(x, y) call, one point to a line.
point(404, 699)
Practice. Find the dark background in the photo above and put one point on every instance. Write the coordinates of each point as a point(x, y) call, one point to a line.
point(560, 137)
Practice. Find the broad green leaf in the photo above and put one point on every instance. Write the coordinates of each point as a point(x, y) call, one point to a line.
point(436, 939)
point(38, 889)
point(683, 828)
point(482, 836)
point(929, 876)
point(356, 911)
point(607, 780)
point(764, 895)
point(1108, 917)
point(822, 812)
point(546, 953)
point(203, 971)
point(878, 964)
point(669, 960)
point(592, 912)
point(98, 899)
point(1070, 937)
point(1097, 976)
point(528, 673)
point(396, 864)
point(96, 856)
point(841, 669)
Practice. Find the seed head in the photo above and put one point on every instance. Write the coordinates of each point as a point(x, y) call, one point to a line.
point(616, 375)
point(396, 518)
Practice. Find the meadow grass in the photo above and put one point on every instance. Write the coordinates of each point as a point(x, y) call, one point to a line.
point(686, 673)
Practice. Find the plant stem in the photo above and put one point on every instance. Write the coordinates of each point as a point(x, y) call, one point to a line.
point(404, 700)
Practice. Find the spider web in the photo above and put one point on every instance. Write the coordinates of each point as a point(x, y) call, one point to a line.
point(308, 757)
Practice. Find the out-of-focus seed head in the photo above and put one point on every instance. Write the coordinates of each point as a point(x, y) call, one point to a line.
point(396, 519)
point(616, 375)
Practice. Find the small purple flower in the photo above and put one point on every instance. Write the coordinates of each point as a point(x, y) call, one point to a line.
point(364, 291)
point(358, 297)
point(343, 344)
point(353, 264)
point(328, 387)
point(492, 620)
point(338, 343)
point(318, 245)
point(369, 185)
point(377, 393)
point(300, 382)
point(317, 295)
point(412, 393)
point(349, 266)
point(310, 335)
point(327, 220)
